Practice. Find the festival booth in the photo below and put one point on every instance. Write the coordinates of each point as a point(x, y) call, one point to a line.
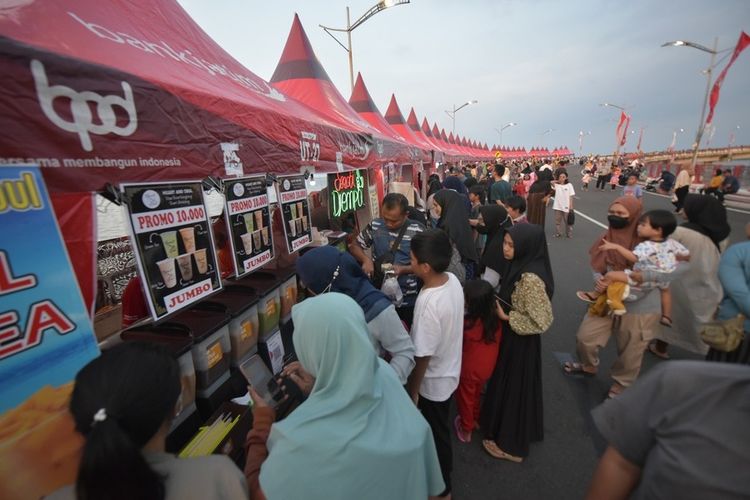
point(131, 99)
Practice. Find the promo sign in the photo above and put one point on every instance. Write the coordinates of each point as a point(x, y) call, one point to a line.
point(346, 192)
point(173, 244)
point(249, 223)
point(46, 336)
point(295, 211)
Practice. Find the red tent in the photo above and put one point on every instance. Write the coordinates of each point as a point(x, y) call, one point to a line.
point(442, 140)
point(395, 119)
point(134, 90)
point(413, 123)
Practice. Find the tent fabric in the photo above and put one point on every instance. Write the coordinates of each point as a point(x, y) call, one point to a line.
point(413, 123)
point(395, 119)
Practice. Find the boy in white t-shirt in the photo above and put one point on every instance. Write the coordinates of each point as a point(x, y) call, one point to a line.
point(563, 205)
point(437, 332)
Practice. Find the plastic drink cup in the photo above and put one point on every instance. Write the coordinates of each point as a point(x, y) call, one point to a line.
point(264, 233)
point(293, 210)
point(188, 238)
point(185, 263)
point(258, 219)
point(248, 218)
point(200, 260)
point(298, 224)
point(292, 228)
point(167, 270)
point(304, 224)
point(247, 242)
point(169, 240)
point(300, 209)
point(256, 238)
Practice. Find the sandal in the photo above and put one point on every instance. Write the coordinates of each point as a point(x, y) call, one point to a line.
point(666, 321)
point(586, 297)
point(575, 368)
point(656, 352)
point(463, 436)
point(491, 448)
point(615, 390)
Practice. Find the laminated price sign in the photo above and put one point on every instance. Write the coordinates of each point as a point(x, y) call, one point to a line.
point(249, 223)
point(46, 336)
point(173, 244)
point(295, 211)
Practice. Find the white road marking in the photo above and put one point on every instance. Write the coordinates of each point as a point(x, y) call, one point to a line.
point(604, 226)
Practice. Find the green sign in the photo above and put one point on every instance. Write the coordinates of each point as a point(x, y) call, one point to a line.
point(346, 192)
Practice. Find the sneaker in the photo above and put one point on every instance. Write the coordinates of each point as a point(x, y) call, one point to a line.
point(463, 436)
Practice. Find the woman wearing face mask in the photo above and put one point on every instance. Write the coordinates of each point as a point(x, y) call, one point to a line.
point(638, 326)
point(326, 269)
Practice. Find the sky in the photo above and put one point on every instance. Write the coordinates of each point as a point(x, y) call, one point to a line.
point(544, 64)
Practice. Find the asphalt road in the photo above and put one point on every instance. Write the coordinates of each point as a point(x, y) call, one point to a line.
point(561, 466)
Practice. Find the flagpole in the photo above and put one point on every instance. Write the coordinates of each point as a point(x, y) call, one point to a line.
point(702, 125)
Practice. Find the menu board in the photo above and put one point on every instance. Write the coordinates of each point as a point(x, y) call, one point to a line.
point(46, 336)
point(295, 211)
point(346, 192)
point(173, 244)
point(249, 223)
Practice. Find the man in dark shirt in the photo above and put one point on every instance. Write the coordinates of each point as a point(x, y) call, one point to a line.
point(730, 185)
point(500, 190)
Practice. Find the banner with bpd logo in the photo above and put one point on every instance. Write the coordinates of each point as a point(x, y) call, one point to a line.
point(173, 244)
point(46, 336)
point(249, 222)
point(295, 211)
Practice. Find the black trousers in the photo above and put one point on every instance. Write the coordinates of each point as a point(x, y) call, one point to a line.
point(437, 414)
point(406, 314)
point(602, 180)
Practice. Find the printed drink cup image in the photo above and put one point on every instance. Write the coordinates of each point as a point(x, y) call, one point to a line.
point(256, 239)
point(167, 270)
point(169, 240)
point(247, 242)
point(264, 233)
point(298, 224)
point(293, 210)
point(248, 218)
point(300, 209)
point(200, 260)
point(258, 219)
point(304, 224)
point(186, 266)
point(188, 238)
point(292, 228)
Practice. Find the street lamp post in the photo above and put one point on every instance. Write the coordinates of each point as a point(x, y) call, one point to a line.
point(709, 71)
point(500, 130)
point(378, 7)
point(621, 108)
point(581, 135)
point(452, 114)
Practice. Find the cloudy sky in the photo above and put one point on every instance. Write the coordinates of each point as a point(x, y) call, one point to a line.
point(545, 64)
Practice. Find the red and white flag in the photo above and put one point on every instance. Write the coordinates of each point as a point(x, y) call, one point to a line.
point(742, 43)
point(622, 128)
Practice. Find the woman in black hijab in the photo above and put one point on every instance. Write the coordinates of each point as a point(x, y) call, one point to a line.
point(495, 220)
point(539, 193)
point(511, 416)
point(706, 215)
point(454, 220)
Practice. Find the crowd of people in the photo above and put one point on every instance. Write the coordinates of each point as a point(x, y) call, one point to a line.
point(419, 314)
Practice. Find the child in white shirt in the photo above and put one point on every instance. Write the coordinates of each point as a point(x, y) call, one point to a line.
point(563, 205)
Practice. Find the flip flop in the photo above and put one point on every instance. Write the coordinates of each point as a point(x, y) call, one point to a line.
point(574, 368)
point(615, 391)
point(653, 350)
point(462, 435)
point(586, 297)
point(491, 448)
point(666, 321)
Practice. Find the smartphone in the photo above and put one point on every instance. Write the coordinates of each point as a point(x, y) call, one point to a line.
point(260, 378)
point(502, 301)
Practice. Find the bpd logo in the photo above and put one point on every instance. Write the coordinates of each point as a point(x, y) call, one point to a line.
point(83, 120)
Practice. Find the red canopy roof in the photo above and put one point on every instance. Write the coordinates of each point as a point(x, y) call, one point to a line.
point(396, 120)
point(413, 123)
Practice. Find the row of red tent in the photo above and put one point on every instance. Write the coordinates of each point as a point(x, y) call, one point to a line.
point(510, 152)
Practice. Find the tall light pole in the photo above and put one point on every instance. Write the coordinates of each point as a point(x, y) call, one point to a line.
point(500, 130)
point(581, 135)
point(452, 114)
point(378, 7)
point(708, 71)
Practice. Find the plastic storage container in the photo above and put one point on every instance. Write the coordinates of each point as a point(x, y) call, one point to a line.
point(288, 296)
point(241, 303)
point(267, 286)
point(178, 341)
point(209, 328)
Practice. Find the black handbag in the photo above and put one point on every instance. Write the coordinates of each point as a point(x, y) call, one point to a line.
point(378, 275)
point(571, 218)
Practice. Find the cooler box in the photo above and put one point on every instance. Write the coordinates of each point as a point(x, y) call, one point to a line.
point(241, 303)
point(177, 340)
